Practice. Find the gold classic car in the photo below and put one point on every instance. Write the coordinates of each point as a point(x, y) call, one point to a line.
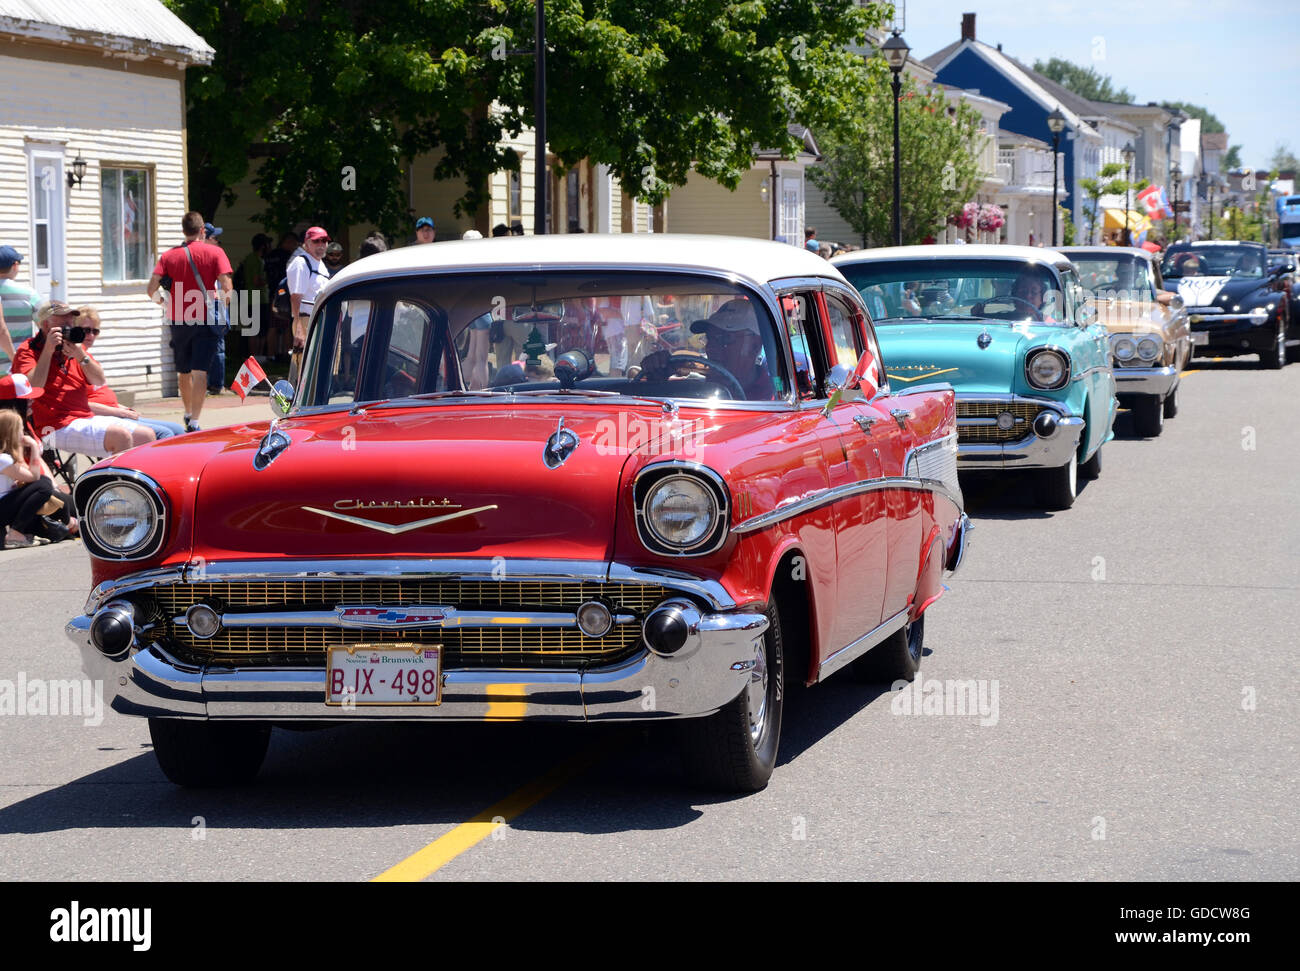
point(1150, 334)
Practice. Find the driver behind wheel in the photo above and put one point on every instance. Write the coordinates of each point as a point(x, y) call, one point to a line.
point(1030, 289)
point(734, 342)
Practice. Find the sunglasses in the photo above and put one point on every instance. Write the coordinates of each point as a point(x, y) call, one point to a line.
point(724, 338)
point(91, 331)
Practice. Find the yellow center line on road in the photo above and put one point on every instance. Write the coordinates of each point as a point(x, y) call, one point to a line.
point(425, 862)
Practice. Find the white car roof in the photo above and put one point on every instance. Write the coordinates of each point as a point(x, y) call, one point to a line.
point(947, 251)
point(754, 259)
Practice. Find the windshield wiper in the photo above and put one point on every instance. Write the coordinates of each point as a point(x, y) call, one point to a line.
point(666, 404)
point(453, 393)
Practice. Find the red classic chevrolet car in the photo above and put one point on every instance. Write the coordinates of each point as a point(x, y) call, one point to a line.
point(481, 505)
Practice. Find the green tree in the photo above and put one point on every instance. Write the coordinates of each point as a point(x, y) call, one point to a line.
point(1232, 158)
point(1283, 160)
point(1067, 226)
point(1209, 121)
point(337, 99)
point(1105, 185)
point(1083, 81)
point(937, 162)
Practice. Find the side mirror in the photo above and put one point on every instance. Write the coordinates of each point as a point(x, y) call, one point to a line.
point(281, 398)
point(572, 367)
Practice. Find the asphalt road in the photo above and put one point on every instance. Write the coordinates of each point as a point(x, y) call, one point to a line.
point(1142, 643)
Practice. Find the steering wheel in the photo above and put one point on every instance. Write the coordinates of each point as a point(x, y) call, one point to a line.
point(685, 358)
point(1017, 300)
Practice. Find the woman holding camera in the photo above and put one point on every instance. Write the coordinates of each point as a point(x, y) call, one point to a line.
point(57, 361)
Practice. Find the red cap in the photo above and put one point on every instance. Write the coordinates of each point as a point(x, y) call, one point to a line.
point(314, 234)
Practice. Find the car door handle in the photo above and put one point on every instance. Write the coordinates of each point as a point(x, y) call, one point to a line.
point(900, 415)
point(865, 423)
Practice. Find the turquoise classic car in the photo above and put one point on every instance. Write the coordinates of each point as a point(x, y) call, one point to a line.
point(1008, 327)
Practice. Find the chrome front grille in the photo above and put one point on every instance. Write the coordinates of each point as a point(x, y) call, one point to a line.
point(505, 645)
point(977, 421)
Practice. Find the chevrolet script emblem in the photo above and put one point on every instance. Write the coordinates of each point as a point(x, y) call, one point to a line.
point(397, 529)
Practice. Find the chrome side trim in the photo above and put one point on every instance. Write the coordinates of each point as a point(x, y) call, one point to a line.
point(935, 387)
point(827, 496)
point(863, 644)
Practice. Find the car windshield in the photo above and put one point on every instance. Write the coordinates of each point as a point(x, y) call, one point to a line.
point(956, 289)
point(1119, 277)
point(621, 333)
point(1239, 261)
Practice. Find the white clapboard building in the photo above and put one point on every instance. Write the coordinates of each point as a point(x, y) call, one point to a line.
point(92, 163)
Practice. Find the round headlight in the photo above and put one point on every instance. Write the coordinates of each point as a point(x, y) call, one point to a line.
point(1125, 349)
point(122, 518)
point(1048, 369)
point(1258, 315)
point(1149, 348)
point(680, 511)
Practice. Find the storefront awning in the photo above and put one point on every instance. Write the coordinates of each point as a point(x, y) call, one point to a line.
point(1137, 223)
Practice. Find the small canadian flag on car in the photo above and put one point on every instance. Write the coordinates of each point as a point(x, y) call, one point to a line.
point(249, 377)
point(870, 371)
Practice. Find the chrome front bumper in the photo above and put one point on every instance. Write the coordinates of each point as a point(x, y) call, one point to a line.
point(1145, 380)
point(1032, 452)
point(697, 680)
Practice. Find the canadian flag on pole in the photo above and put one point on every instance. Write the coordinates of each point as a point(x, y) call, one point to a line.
point(249, 377)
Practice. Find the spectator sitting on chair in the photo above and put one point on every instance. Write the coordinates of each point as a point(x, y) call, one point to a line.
point(27, 497)
point(103, 401)
point(66, 373)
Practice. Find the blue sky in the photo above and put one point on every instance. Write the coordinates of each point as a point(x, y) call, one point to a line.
point(1240, 59)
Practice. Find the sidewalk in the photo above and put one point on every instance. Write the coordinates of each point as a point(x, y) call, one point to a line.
point(218, 410)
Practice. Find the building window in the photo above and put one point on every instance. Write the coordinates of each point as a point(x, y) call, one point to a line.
point(128, 224)
point(516, 197)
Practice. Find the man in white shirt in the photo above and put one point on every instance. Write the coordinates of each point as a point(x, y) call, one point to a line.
point(306, 275)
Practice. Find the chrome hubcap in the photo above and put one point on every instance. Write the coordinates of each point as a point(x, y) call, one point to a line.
point(757, 694)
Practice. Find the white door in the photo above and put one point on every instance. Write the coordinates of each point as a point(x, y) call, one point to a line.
point(45, 188)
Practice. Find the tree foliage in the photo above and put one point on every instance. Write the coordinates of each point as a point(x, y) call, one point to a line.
point(1106, 184)
point(937, 162)
point(1083, 81)
point(653, 90)
point(1210, 122)
point(1283, 160)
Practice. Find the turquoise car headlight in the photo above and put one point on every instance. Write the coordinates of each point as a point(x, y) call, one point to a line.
point(1047, 369)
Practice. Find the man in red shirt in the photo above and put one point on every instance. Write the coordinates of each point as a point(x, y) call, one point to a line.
point(189, 309)
point(67, 372)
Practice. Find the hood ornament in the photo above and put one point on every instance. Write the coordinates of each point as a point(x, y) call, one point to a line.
point(984, 339)
point(270, 447)
point(559, 446)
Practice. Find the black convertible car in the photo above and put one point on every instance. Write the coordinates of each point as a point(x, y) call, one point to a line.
point(1239, 301)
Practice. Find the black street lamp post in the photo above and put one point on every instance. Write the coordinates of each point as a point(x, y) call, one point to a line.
point(540, 174)
point(1055, 122)
point(1176, 172)
point(896, 51)
point(1129, 154)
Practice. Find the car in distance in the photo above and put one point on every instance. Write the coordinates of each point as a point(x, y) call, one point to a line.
point(1150, 337)
point(1007, 327)
point(436, 529)
point(1238, 302)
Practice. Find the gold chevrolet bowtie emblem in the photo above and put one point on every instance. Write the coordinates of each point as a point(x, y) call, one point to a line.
point(394, 530)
